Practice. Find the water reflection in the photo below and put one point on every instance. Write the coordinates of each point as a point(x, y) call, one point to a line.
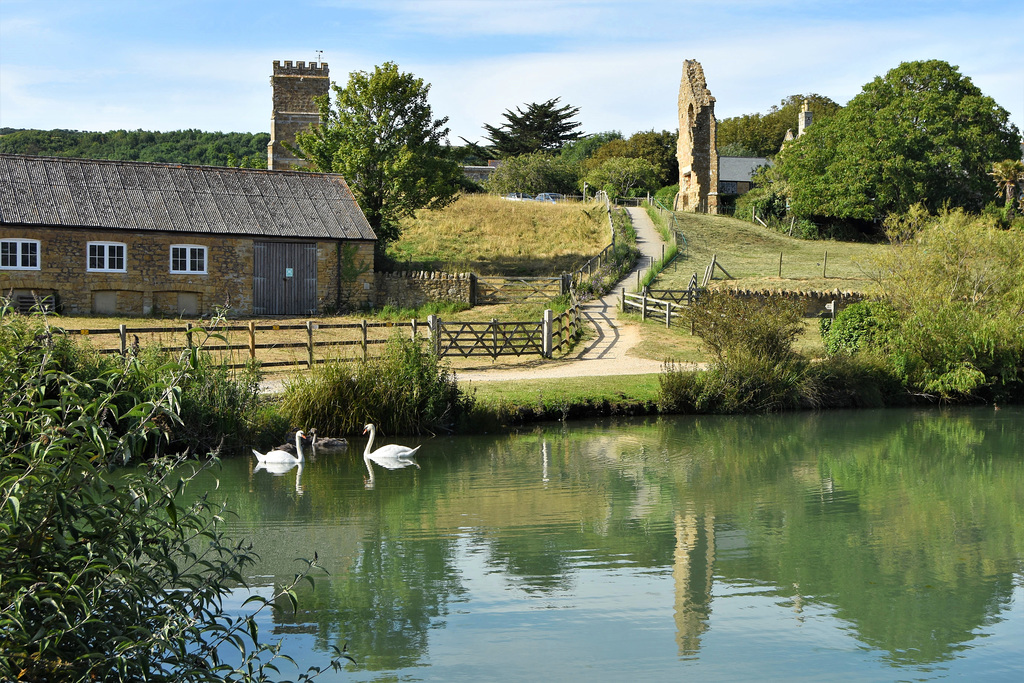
point(856, 540)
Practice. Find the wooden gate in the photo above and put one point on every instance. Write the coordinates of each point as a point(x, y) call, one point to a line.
point(284, 278)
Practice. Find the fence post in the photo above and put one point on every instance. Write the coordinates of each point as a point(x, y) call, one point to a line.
point(824, 266)
point(252, 339)
point(188, 334)
point(309, 343)
point(363, 326)
point(414, 329)
point(123, 331)
point(494, 337)
point(433, 334)
point(643, 308)
point(548, 332)
point(780, 264)
point(668, 314)
point(622, 306)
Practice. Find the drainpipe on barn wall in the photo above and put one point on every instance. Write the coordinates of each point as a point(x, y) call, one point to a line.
point(337, 279)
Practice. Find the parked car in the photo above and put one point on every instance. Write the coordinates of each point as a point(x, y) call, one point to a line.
point(552, 197)
point(518, 197)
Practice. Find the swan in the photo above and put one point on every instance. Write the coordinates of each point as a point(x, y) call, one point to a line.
point(391, 457)
point(289, 447)
point(278, 456)
point(327, 443)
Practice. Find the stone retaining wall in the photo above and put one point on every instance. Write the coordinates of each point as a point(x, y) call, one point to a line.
point(413, 289)
point(814, 302)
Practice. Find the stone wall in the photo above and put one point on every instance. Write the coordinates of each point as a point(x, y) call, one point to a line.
point(814, 302)
point(413, 289)
point(149, 288)
point(295, 88)
point(696, 149)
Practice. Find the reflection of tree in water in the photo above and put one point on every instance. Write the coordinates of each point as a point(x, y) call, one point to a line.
point(395, 592)
point(894, 523)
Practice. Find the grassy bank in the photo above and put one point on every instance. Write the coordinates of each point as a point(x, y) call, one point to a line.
point(505, 404)
point(750, 254)
point(487, 235)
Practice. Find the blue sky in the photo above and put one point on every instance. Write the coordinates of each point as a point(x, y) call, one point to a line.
point(176, 64)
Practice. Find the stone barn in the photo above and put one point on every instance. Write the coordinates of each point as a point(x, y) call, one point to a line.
point(132, 238)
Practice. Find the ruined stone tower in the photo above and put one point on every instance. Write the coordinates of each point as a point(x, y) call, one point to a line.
point(295, 88)
point(697, 149)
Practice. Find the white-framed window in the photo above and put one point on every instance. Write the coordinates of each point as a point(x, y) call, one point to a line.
point(188, 258)
point(18, 254)
point(106, 257)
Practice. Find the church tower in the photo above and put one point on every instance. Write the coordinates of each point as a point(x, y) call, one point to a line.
point(295, 89)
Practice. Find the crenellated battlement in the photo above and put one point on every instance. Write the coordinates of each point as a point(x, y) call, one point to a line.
point(289, 68)
point(296, 86)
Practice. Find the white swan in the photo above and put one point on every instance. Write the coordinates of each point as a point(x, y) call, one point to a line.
point(278, 456)
point(391, 457)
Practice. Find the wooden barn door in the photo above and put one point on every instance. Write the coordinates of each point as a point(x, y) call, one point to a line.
point(284, 278)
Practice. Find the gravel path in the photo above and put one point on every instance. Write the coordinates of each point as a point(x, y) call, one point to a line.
point(608, 352)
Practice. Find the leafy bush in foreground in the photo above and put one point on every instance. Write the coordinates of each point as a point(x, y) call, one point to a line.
point(106, 574)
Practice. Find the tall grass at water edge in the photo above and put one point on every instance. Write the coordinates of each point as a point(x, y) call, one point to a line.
point(407, 390)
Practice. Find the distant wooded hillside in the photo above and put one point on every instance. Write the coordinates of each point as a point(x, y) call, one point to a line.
point(176, 147)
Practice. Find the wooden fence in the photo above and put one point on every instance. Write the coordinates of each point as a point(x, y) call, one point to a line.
point(279, 345)
point(498, 290)
point(310, 343)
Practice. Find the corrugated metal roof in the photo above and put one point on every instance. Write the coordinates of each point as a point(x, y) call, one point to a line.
point(739, 168)
point(132, 195)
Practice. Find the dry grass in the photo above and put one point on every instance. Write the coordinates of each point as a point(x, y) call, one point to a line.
point(488, 235)
point(750, 254)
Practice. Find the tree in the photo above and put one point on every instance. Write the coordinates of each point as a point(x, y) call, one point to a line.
point(585, 147)
point(922, 133)
point(543, 127)
point(762, 135)
point(624, 176)
point(381, 135)
point(657, 148)
point(111, 573)
point(534, 173)
point(1008, 175)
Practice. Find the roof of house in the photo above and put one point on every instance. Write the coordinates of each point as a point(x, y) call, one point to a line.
point(739, 168)
point(132, 195)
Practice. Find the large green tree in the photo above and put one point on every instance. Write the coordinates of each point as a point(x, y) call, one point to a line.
point(761, 135)
point(922, 133)
point(382, 136)
point(543, 127)
point(657, 148)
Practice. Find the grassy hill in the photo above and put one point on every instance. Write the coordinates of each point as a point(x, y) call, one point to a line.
point(487, 235)
point(750, 254)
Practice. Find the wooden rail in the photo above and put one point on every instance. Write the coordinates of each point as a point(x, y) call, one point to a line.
point(496, 290)
point(311, 343)
point(651, 307)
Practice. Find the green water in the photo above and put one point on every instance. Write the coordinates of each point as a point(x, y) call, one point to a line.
point(872, 545)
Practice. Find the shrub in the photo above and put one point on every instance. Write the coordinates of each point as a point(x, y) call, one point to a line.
point(108, 574)
point(406, 390)
point(735, 329)
point(863, 326)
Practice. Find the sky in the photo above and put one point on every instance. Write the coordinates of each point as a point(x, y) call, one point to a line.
point(163, 65)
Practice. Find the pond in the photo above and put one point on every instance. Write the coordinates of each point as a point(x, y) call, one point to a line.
point(868, 545)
